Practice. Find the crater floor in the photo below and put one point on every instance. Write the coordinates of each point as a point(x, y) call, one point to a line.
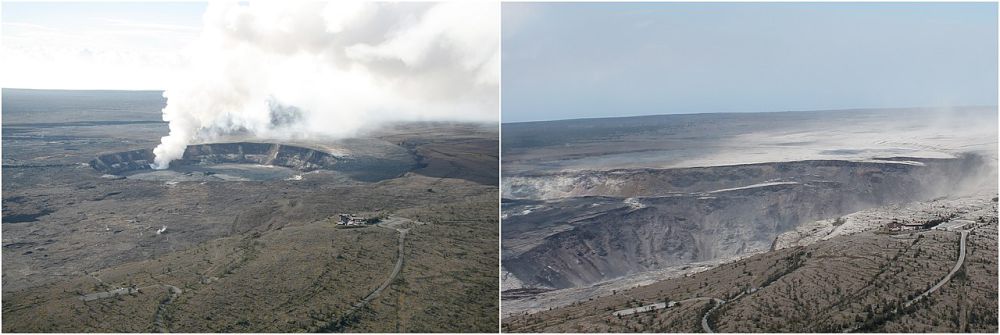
point(218, 172)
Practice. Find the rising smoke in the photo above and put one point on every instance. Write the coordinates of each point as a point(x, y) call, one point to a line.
point(307, 70)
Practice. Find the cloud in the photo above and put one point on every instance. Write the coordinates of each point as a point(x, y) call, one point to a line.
point(327, 70)
point(107, 55)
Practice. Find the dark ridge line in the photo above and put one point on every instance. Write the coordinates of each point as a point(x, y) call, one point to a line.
point(80, 124)
point(73, 90)
point(8, 166)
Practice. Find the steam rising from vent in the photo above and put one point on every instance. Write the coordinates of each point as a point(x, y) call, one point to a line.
point(304, 70)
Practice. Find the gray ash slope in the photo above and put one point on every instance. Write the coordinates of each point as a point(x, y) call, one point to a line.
point(596, 200)
point(678, 216)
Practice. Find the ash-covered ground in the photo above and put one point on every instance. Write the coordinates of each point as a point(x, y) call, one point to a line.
point(241, 234)
point(663, 208)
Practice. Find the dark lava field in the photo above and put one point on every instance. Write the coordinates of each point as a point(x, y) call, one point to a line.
point(240, 235)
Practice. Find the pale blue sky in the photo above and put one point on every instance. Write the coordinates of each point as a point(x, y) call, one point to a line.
point(574, 60)
point(92, 45)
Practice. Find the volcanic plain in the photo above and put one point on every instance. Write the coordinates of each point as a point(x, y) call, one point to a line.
point(241, 235)
point(826, 221)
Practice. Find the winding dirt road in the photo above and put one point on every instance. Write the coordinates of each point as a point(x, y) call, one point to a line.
point(392, 275)
point(719, 302)
point(656, 306)
point(704, 318)
point(958, 265)
point(954, 269)
point(159, 320)
point(331, 325)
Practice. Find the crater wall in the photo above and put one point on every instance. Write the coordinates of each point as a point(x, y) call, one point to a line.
point(626, 222)
point(362, 167)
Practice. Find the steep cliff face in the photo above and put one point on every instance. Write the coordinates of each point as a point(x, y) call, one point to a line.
point(119, 162)
point(363, 167)
point(658, 182)
point(661, 218)
point(298, 158)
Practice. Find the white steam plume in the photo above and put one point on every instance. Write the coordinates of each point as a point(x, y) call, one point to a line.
point(284, 70)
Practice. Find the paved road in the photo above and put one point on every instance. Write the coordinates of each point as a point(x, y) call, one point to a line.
point(704, 318)
point(371, 296)
point(719, 302)
point(108, 294)
point(392, 275)
point(656, 306)
point(958, 265)
point(159, 320)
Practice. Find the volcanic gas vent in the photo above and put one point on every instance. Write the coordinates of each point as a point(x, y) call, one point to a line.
point(293, 157)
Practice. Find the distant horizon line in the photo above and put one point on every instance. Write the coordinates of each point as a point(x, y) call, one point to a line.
point(85, 89)
point(585, 118)
point(760, 112)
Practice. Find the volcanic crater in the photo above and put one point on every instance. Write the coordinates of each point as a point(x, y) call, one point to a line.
point(242, 161)
point(576, 229)
point(95, 240)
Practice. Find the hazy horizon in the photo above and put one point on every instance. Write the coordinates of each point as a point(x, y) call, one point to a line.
point(93, 45)
point(764, 112)
point(586, 60)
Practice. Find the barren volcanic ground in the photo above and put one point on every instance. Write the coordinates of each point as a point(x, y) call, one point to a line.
point(240, 235)
point(677, 215)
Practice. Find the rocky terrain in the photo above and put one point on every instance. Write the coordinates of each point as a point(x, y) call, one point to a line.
point(632, 204)
point(240, 235)
point(636, 221)
point(867, 281)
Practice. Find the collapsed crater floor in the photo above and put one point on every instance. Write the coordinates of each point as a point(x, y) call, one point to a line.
point(579, 228)
point(218, 172)
point(250, 161)
point(780, 216)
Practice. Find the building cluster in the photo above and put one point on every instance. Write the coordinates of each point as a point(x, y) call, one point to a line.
point(352, 220)
point(897, 225)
